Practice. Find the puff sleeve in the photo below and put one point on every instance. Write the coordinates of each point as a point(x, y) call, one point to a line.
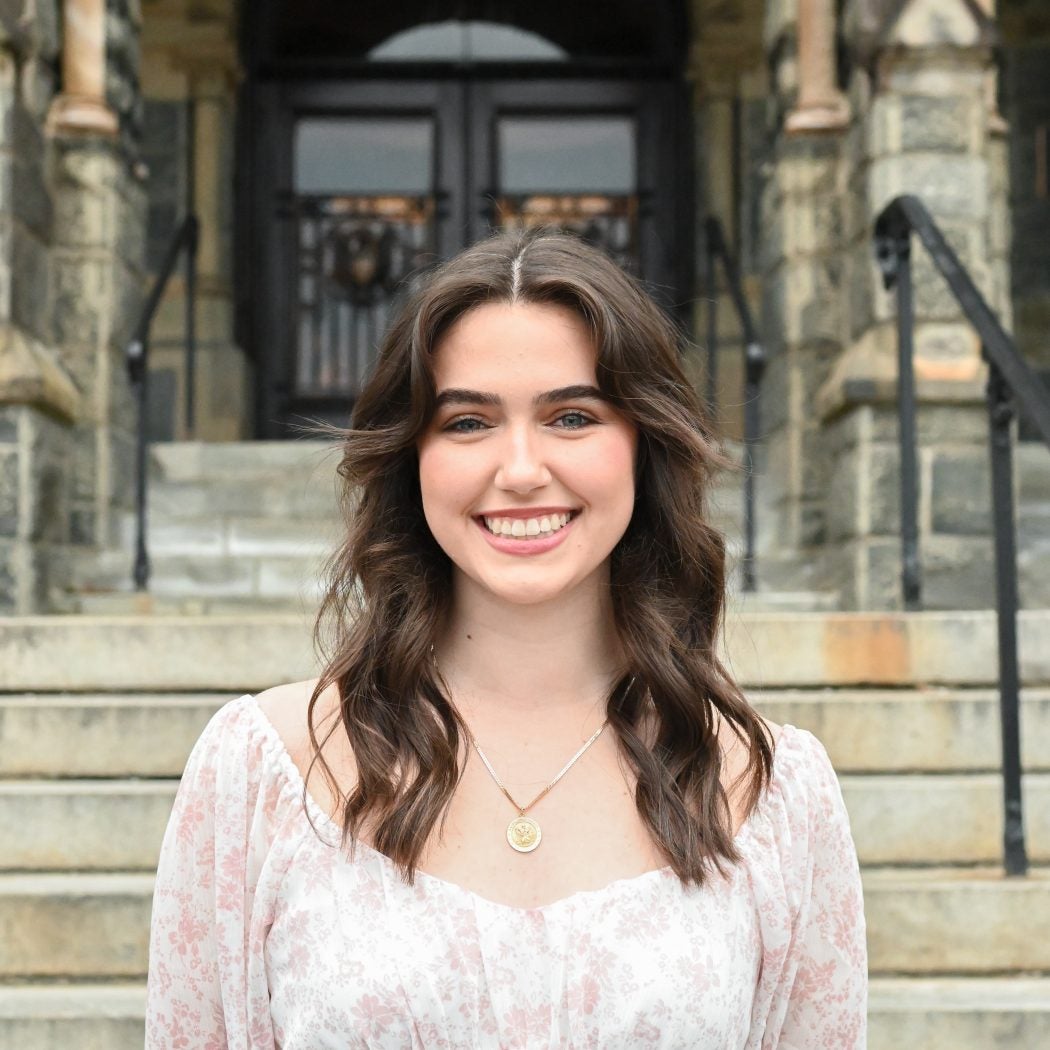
point(206, 987)
point(825, 972)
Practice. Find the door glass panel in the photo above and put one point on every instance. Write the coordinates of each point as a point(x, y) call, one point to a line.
point(363, 155)
point(364, 210)
point(566, 154)
point(577, 173)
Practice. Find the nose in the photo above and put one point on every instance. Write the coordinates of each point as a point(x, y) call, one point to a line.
point(522, 466)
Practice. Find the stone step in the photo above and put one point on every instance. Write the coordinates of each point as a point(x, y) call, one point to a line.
point(83, 825)
point(74, 925)
point(865, 731)
point(937, 921)
point(764, 650)
point(202, 461)
point(313, 497)
point(73, 1016)
point(960, 1013)
point(253, 582)
point(101, 736)
point(106, 825)
point(932, 730)
point(930, 819)
point(213, 536)
point(956, 921)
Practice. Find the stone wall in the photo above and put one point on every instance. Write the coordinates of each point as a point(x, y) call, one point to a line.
point(923, 124)
point(37, 399)
point(70, 283)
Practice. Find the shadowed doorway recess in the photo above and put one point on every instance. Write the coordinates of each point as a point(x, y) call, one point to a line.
point(374, 147)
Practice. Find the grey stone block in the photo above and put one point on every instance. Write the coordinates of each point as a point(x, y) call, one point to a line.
point(884, 512)
point(30, 200)
point(30, 281)
point(80, 295)
point(961, 493)
point(9, 493)
point(191, 536)
point(958, 573)
point(935, 123)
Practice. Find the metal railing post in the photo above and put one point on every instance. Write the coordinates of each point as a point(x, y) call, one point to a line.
point(136, 358)
point(1011, 384)
point(1000, 417)
point(894, 253)
point(754, 367)
point(192, 243)
point(138, 371)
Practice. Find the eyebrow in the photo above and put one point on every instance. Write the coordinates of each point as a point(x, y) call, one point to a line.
point(578, 392)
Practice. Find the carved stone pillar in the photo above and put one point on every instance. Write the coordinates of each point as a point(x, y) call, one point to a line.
point(81, 107)
point(820, 105)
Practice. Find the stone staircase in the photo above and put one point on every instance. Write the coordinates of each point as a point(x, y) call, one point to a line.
point(98, 715)
point(246, 525)
point(231, 526)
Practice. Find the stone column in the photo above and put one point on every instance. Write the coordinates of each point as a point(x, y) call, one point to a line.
point(922, 126)
point(820, 106)
point(96, 261)
point(802, 273)
point(38, 400)
point(81, 107)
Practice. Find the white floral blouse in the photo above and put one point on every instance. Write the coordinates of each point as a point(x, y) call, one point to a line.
point(265, 935)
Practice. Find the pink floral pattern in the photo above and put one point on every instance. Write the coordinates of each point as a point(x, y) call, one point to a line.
point(266, 935)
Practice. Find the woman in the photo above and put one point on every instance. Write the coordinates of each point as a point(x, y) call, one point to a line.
point(524, 805)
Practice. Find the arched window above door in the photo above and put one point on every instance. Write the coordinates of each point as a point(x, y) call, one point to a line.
point(285, 33)
point(467, 41)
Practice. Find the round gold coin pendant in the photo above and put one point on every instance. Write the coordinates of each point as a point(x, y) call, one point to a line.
point(523, 834)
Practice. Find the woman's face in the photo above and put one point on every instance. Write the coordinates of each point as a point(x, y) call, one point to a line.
point(526, 472)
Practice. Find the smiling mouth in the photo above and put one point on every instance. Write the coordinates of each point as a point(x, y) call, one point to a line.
point(527, 528)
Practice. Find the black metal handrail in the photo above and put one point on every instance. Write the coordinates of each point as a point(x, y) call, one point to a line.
point(1010, 380)
point(185, 238)
point(754, 366)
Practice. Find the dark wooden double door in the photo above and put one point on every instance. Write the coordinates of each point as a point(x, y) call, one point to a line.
point(356, 185)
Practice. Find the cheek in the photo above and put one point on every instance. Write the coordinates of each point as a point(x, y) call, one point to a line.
point(444, 477)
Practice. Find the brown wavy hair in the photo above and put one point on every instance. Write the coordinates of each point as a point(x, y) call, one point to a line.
point(389, 585)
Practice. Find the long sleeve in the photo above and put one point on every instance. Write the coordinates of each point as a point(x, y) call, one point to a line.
point(202, 948)
point(827, 958)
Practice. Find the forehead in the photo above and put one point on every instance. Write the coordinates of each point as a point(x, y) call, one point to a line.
point(504, 345)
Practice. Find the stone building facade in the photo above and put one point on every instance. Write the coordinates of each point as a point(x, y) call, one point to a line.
point(801, 120)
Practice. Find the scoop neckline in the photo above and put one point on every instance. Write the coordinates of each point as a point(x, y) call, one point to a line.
point(317, 812)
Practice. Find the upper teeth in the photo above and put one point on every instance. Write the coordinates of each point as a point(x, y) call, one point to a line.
point(527, 526)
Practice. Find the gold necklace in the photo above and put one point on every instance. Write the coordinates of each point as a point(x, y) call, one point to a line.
point(523, 832)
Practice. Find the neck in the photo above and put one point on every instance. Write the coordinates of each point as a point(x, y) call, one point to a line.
point(531, 659)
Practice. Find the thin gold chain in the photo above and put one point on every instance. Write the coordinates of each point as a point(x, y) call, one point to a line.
point(488, 765)
point(543, 794)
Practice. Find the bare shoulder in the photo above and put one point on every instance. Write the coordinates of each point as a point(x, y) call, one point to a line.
point(735, 752)
point(287, 707)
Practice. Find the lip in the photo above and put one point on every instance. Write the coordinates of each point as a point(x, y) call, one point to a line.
point(526, 547)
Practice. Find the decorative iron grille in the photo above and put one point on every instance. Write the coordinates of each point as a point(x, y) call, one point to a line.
point(608, 221)
point(354, 254)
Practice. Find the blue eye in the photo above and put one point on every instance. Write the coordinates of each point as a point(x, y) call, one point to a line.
point(466, 425)
point(574, 421)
